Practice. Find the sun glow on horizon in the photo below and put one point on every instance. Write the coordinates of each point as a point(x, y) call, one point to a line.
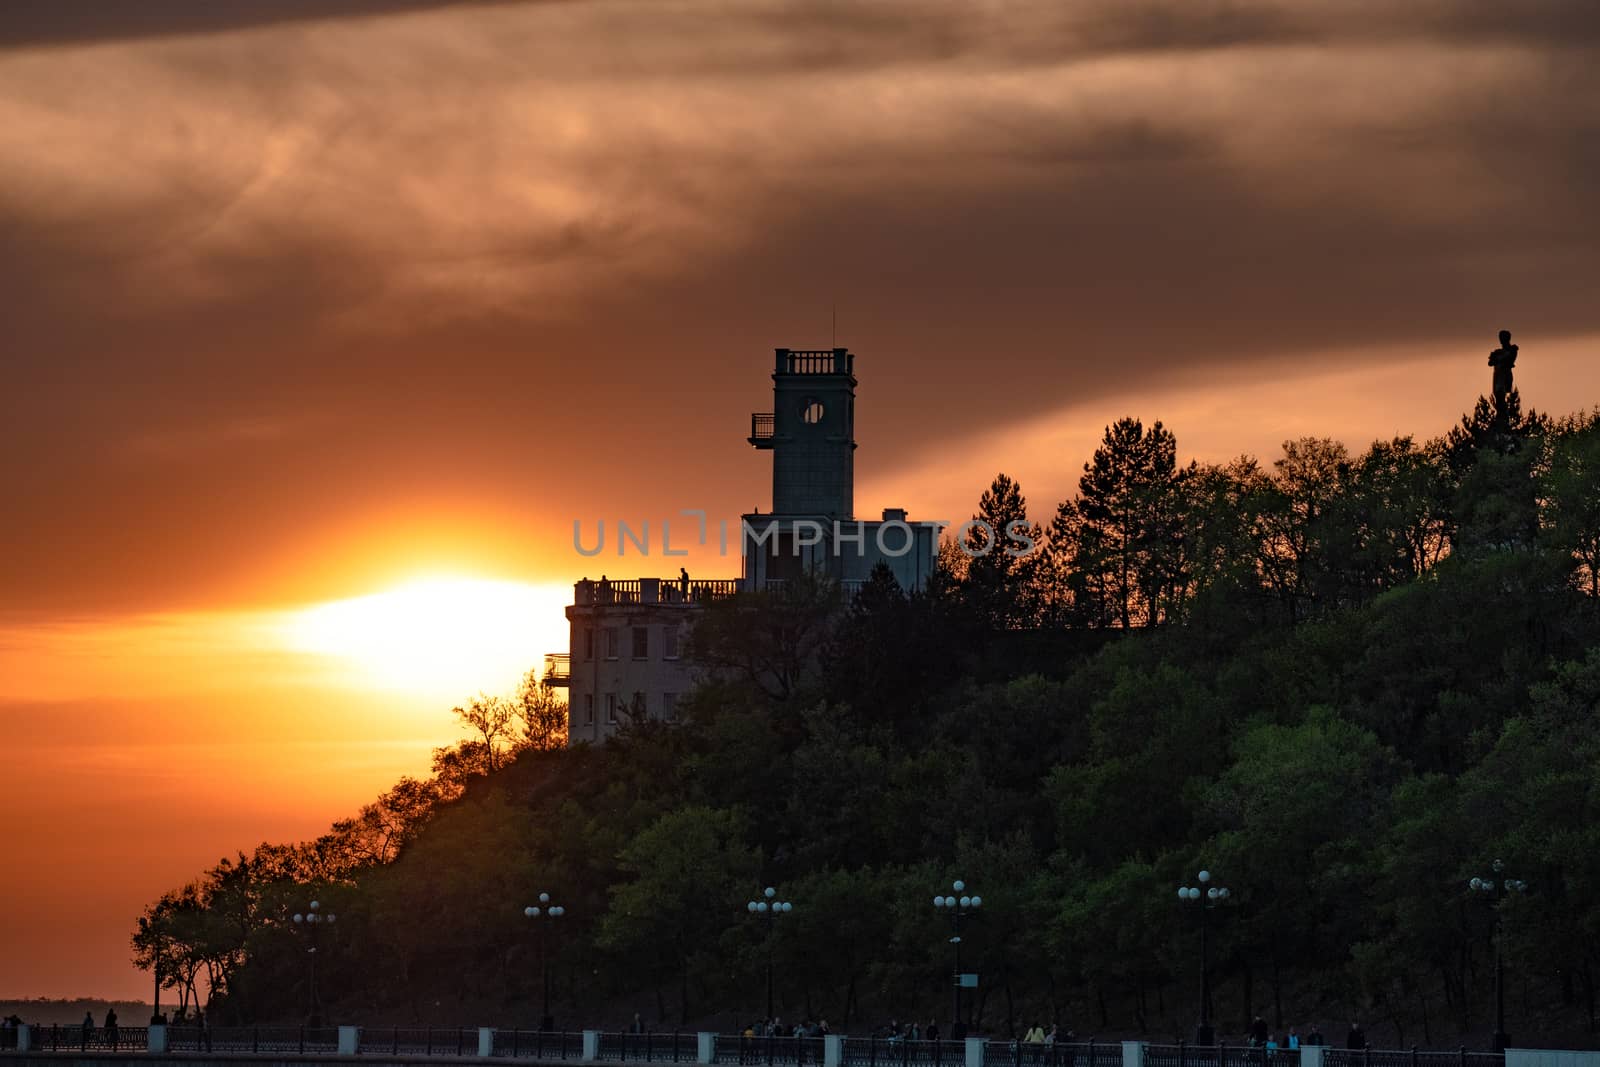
point(445, 636)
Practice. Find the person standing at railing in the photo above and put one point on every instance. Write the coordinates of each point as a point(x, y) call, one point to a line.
point(1356, 1039)
point(111, 1028)
point(1294, 1038)
point(1314, 1036)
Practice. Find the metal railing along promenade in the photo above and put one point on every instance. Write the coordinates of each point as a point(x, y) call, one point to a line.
point(732, 1050)
point(84, 1039)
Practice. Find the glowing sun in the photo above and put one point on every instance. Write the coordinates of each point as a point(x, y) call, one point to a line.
point(450, 637)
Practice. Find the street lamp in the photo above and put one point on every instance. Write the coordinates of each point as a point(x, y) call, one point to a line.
point(1497, 888)
point(1207, 896)
point(769, 908)
point(959, 908)
point(546, 911)
point(313, 920)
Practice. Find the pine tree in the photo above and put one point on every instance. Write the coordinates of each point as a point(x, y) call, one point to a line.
point(1002, 557)
point(1122, 544)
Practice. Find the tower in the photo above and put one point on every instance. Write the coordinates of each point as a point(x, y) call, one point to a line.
point(811, 433)
point(627, 657)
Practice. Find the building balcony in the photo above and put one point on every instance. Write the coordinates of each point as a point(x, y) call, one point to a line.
point(762, 429)
point(557, 669)
point(590, 593)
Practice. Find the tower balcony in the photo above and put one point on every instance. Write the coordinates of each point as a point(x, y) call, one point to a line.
point(557, 669)
point(762, 429)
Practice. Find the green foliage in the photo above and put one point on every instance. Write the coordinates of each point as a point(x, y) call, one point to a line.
point(684, 871)
point(1570, 491)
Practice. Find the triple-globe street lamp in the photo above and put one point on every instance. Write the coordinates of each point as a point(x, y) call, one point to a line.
point(312, 920)
point(543, 912)
point(959, 907)
point(1207, 896)
point(1497, 888)
point(769, 908)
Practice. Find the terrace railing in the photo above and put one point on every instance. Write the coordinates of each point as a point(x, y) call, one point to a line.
point(652, 591)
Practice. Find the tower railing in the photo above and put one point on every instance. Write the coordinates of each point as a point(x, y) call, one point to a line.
point(815, 361)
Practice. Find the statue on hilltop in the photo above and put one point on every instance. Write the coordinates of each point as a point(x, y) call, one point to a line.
point(1502, 360)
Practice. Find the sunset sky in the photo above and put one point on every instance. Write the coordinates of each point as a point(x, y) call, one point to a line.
point(325, 319)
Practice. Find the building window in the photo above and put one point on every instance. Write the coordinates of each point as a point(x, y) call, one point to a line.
point(641, 642)
point(669, 707)
point(588, 709)
point(611, 642)
point(611, 708)
point(588, 642)
point(669, 642)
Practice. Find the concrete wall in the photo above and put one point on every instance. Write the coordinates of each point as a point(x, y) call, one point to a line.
point(591, 678)
point(1538, 1057)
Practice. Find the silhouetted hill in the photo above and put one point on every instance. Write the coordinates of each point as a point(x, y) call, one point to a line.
point(1346, 686)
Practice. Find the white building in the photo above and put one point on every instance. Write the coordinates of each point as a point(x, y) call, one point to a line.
point(628, 638)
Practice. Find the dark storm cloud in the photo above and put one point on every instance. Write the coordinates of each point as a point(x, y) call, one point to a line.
point(829, 33)
point(55, 22)
point(258, 282)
